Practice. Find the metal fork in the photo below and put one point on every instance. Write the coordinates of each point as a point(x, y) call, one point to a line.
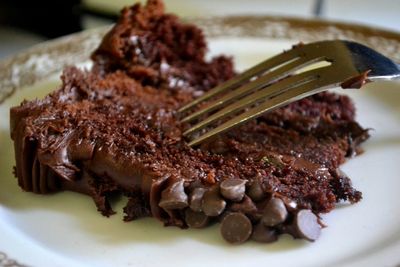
point(283, 79)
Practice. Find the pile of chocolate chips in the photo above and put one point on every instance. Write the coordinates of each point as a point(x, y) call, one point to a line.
point(243, 215)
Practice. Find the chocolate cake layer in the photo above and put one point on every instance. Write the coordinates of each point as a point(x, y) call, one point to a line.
point(114, 129)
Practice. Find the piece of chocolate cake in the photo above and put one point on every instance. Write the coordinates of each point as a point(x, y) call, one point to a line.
point(114, 130)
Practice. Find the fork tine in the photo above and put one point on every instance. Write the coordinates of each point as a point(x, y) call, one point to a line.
point(283, 99)
point(268, 92)
point(245, 76)
point(260, 82)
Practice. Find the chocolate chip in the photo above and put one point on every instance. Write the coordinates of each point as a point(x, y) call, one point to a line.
point(246, 206)
point(290, 205)
point(264, 234)
point(174, 197)
point(233, 189)
point(256, 191)
point(274, 213)
point(196, 219)
point(236, 228)
point(307, 226)
point(196, 199)
point(213, 204)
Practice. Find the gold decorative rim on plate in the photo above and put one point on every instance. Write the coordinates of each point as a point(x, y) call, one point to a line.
point(50, 57)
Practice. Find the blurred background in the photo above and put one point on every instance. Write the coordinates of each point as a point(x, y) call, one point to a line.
point(26, 23)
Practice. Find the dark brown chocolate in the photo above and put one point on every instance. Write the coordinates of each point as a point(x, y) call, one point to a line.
point(233, 189)
point(356, 82)
point(196, 199)
point(246, 206)
point(213, 204)
point(236, 228)
point(264, 234)
point(274, 213)
point(256, 192)
point(114, 129)
point(174, 196)
point(196, 219)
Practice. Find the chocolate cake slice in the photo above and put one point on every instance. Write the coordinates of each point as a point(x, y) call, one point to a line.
point(114, 129)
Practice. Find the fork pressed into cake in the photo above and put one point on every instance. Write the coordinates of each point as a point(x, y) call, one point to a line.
point(285, 78)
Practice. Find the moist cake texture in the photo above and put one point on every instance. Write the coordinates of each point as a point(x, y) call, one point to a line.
point(114, 129)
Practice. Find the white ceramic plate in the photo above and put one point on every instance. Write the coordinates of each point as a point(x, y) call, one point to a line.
point(65, 229)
